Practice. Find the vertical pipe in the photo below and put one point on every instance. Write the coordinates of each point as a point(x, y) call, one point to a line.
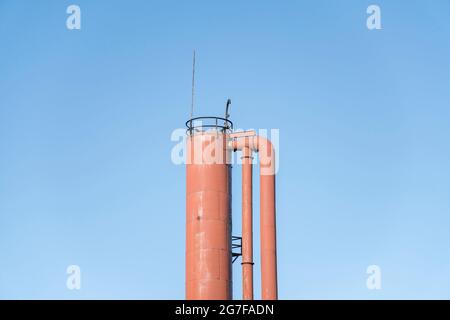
point(268, 238)
point(269, 286)
point(247, 225)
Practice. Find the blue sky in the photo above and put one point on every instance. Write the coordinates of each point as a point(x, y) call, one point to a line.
point(86, 115)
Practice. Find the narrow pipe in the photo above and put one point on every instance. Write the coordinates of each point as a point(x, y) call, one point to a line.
point(269, 286)
point(247, 225)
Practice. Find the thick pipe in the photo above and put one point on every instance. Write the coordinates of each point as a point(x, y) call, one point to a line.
point(208, 217)
point(247, 225)
point(269, 286)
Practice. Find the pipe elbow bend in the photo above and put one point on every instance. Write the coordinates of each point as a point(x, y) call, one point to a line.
point(266, 152)
point(265, 149)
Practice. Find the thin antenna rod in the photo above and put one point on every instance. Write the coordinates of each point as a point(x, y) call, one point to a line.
point(193, 86)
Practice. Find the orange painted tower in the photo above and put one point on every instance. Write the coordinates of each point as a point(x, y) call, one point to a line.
point(209, 241)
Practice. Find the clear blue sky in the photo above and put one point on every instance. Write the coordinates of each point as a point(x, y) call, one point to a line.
point(86, 116)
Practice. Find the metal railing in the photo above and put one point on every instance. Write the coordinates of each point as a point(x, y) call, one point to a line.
point(199, 124)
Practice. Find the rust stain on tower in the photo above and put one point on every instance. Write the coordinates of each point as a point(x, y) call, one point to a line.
point(209, 241)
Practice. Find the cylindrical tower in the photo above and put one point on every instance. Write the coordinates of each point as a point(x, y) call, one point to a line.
point(208, 211)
